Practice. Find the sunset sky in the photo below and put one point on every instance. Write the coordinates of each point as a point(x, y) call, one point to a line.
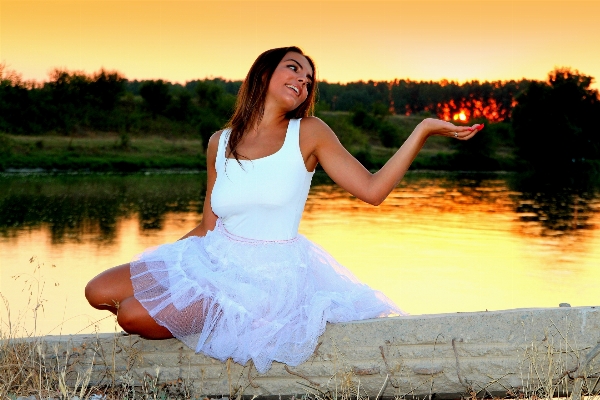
point(350, 40)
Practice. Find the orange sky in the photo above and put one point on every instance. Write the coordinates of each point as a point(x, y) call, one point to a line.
point(350, 40)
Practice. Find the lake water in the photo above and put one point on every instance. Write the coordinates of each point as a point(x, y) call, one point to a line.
point(440, 243)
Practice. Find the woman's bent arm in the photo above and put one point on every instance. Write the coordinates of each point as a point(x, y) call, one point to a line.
point(351, 175)
point(209, 219)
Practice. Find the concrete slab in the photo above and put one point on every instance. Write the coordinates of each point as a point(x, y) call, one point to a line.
point(450, 355)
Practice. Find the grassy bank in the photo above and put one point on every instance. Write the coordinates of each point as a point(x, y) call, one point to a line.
point(100, 152)
point(105, 152)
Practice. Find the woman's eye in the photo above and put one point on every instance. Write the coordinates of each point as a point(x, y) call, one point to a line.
point(293, 67)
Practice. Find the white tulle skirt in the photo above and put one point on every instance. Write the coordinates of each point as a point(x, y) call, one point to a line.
point(227, 296)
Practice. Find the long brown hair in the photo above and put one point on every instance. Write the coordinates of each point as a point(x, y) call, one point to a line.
point(250, 104)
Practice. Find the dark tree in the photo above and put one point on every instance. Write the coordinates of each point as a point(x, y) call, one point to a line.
point(216, 107)
point(478, 152)
point(230, 87)
point(156, 96)
point(362, 119)
point(208, 94)
point(555, 122)
point(66, 100)
point(106, 88)
point(181, 108)
point(15, 108)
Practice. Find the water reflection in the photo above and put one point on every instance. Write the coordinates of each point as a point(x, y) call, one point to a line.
point(76, 206)
point(556, 205)
point(440, 243)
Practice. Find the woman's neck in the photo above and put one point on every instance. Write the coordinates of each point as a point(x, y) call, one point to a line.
point(271, 120)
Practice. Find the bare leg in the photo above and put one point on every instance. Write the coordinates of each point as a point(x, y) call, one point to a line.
point(134, 318)
point(112, 290)
point(107, 290)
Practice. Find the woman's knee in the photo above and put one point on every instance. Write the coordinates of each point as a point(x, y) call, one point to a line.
point(92, 293)
point(106, 290)
point(99, 296)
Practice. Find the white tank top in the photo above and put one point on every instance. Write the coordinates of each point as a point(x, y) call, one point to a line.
point(263, 198)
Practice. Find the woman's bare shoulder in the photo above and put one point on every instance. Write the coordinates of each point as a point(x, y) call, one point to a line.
point(213, 143)
point(316, 128)
point(313, 123)
point(215, 137)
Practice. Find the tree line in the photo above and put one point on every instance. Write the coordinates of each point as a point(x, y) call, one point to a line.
point(492, 101)
point(551, 125)
point(553, 121)
point(74, 102)
point(106, 101)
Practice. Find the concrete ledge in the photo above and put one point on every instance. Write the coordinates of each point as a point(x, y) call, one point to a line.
point(499, 352)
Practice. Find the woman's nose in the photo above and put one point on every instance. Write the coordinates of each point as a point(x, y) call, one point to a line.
point(303, 79)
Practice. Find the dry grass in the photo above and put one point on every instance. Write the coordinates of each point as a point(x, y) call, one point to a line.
point(557, 366)
point(551, 367)
point(28, 368)
point(343, 385)
point(44, 369)
point(53, 368)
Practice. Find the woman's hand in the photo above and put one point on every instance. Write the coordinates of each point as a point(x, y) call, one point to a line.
point(437, 127)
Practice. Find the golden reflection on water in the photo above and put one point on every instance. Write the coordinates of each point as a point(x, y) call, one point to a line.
point(451, 251)
point(65, 269)
point(432, 247)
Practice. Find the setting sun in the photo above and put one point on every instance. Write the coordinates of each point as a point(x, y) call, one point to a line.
point(460, 116)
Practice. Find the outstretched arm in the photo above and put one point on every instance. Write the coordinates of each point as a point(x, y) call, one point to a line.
point(351, 175)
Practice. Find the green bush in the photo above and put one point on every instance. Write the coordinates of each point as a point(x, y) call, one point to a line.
point(6, 145)
point(350, 136)
point(389, 135)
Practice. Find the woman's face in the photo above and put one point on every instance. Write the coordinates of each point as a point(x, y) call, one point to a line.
point(290, 81)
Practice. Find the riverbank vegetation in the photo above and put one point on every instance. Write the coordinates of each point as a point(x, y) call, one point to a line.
point(108, 152)
point(100, 153)
point(104, 122)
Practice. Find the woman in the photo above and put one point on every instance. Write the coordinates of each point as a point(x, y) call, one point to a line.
point(243, 283)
